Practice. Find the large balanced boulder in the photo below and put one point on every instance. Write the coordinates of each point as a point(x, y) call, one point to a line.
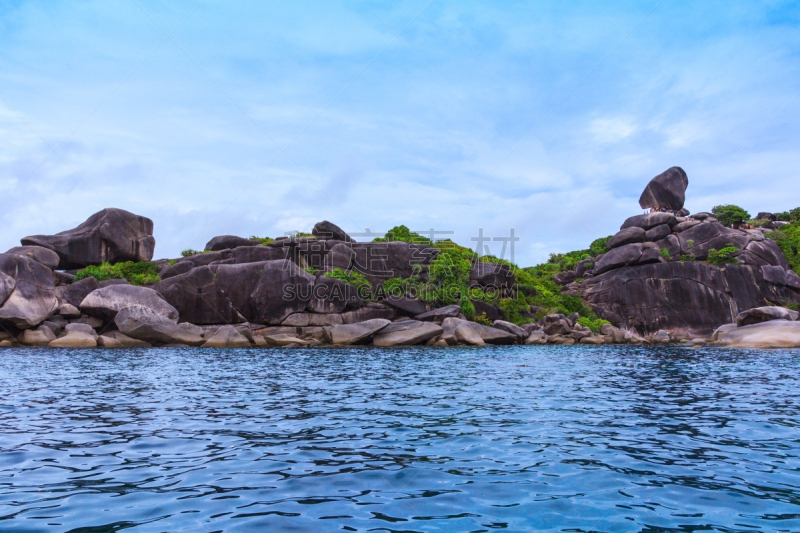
point(27, 293)
point(111, 235)
point(106, 302)
point(142, 323)
point(650, 220)
point(667, 190)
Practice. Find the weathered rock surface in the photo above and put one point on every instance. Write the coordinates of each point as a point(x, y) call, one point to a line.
point(198, 298)
point(437, 315)
point(667, 190)
point(772, 334)
point(225, 242)
point(75, 339)
point(106, 302)
point(689, 299)
point(765, 314)
point(111, 235)
point(491, 276)
point(27, 292)
point(358, 333)
point(406, 306)
point(631, 235)
point(227, 337)
point(75, 293)
point(140, 322)
point(406, 333)
point(650, 220)
point(331, 295)
point(328, 230)
point(45, 256)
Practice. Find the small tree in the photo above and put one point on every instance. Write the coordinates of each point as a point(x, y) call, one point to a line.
point(729, 215)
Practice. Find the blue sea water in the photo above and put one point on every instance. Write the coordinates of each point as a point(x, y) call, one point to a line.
point(539, 438)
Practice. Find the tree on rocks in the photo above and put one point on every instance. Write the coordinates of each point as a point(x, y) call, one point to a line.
point(730, 215)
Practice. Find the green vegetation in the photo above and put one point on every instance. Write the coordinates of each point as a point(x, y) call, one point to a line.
point(665, 254)
point(402, 233)
point(789, 216)
point(724, 256)
point(793, 306)
point(355, 279)
point(685, 258)
point(142, 273)
point(788, 239)
point(311, 270)
point(172, 262)
point(599, 246)
point(593, 325)
point(189, 252)
point(263, 240)
point(730, 214)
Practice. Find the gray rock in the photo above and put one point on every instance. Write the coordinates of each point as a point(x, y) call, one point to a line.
point(27, 292)
point(143, 323)
point(75, 339)
point(331, 295)
point(631, 235)
point(667, 190)
point(661, 337)
point(313, 319)
point(511, 328)
point(650, 220)
point(491, 276)
point(106, 302)
point(406, 333)
point(74, 293)
point(227, 337)
point(657, 233)
point(439, 314)
point(182, 267)
point(111, 235)
point(37, 337)
point(42, 255)
point(367, 313)
point(125, 341)
point(406, 306)
point(536, 337)
point(110, 282)
point(328, 230)
point(465, 334)
point(628, 254)
point(765, 314)
point(199, 297)
point(491, 335)
point(557, 327)
point(225, 242)
point(359, 333)
point(82, 328)
point(687, 224)
point(698, 240)
point(772, 334)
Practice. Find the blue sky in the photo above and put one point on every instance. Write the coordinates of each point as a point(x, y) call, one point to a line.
point(257, 118)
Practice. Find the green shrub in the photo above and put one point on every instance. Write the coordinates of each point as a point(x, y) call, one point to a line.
point(483, 319)
point(685, 258)
point(788, 239)
point(263, 240)
point(599, 246)
point(172, 262)
point(402, 233)
point(593, 324)
point(356, 279)
point(665, 254)
point(189, 252)
point(142, 273)
point(311, 270)
point(722, 257)
point(730, 214)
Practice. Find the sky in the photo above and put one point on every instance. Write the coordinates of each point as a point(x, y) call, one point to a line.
point(261, 118)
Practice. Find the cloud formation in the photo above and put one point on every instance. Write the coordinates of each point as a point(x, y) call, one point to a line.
point(261, 118)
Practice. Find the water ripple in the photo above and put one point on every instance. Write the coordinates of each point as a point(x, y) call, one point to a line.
point(540, 438)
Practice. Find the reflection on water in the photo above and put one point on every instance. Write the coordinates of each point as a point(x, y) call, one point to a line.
point(520, 438)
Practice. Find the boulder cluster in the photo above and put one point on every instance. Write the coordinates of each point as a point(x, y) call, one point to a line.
point(654, 285)
point(240, 293)
point(656, 274)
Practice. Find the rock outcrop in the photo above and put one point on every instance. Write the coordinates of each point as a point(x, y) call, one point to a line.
point(27, 293)
point(667, 190)
point(111, 235)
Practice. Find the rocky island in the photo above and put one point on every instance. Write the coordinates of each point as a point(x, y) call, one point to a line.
point(667, 276)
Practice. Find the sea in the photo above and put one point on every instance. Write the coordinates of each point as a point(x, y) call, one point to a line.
point(504, 438)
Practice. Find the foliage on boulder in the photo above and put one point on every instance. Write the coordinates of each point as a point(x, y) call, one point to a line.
point(730, 214)
point(352, 277)
point(593, 324)
point(139, 273)
point(724, 256)
point(788, 239)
